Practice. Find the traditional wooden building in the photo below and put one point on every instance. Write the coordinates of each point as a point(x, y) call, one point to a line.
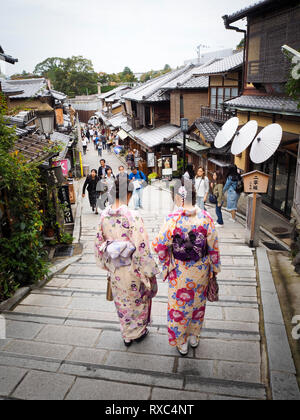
point(270, 25)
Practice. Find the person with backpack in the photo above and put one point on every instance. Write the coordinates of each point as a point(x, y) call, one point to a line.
point(139, 181)
point(234, 188)
point(187, 248)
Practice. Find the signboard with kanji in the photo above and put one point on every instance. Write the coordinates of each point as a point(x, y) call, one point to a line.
point(256, 182)
point(63, 164)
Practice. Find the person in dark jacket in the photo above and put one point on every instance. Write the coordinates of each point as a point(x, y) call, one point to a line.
point(103, 168)
point(90, 184)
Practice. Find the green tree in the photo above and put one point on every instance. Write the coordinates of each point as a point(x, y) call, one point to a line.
point(22, 260)
point(73, 76)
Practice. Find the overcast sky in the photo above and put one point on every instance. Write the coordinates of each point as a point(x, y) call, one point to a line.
point(140, 34)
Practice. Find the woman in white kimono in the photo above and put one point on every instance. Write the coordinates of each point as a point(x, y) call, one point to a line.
point(122, 248)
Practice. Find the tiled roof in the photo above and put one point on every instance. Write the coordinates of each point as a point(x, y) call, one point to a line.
point(187, 80)
point(64, 140)
point(152, 137)
point(116, 96)
point(117, 120)
point(32, 88)
point(208, 129)
point(159, 96)
point(33, 148)
point(244, 12)
point(113, 92)
point(146, 90)
point(229, 63)
point(265, 103)
point(58, 95)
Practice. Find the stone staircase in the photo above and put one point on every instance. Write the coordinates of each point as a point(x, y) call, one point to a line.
point(66, 336)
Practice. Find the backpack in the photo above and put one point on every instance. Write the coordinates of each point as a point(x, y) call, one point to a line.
point(240, 186)
point(189, 247)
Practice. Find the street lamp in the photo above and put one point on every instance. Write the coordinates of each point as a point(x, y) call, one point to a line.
point(184, 124)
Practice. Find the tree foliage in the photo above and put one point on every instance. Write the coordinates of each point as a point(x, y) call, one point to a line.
point(73, 76)
point(155, 73)
point(22, 259)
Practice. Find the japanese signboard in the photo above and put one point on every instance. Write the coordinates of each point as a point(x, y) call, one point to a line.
point(63, 195)
point(167, 165)
point(256, 182)
point(63, 164)
point(150, 160)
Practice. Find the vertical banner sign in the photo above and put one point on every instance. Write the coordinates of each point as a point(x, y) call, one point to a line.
point(174, 162)
point(63, 195)
point(150, 160)
point(63, 164)
point(2, 328)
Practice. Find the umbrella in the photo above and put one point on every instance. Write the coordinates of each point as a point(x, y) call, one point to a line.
point(244, 137)
point(226, 132)
point(266, 143)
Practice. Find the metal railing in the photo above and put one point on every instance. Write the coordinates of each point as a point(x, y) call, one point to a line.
point(215, 115)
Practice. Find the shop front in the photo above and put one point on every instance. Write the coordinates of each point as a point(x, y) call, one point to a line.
point(281, 168)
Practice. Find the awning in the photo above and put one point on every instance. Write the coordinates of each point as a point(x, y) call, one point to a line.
point(220, 163)
point(193, 146)
point(122, 134)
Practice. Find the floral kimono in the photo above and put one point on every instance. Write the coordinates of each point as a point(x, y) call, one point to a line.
point(131, 268)
point(188, 280)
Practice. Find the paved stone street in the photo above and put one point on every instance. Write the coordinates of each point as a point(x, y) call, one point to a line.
point(64, 340)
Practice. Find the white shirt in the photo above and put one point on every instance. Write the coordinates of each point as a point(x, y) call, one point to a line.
point(84, 142)
point(201, 186)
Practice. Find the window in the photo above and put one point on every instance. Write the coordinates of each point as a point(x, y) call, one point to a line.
point(219, 95)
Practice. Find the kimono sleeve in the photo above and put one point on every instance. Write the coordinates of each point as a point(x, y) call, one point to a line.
point(162, 246)
point(99, 247)
point(213, 248)
point(142, 258)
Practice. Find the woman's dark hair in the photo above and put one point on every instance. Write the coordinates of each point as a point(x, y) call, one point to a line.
point(186, 189)
point(232, 171)
point(219, 176)
point(94, 170)
point(123, 186)
point(190, 170)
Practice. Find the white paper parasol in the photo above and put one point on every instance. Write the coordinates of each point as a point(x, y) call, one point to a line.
point(266, 143)
point(244, 137)
point(226, 132)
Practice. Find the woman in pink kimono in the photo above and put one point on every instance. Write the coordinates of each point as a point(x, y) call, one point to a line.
point(122, 248)
point(187, 247)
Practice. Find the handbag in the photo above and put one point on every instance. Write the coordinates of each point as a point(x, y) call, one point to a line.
point(212, 199)
point(109, 295)
point(213, 290)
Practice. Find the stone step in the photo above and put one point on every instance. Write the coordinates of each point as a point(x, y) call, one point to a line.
point(138, 370)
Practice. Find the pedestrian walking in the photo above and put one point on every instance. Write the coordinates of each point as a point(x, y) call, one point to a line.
point(99, 148)
point(90, 184)
point(190, 173)
point(202, 188)
point(109, 144)
point(103, 140)
point(139, 181)
point(130, 159)
point(187, 247)
point(84, 145)
point(122, 248)
point(232, 185)
point(103, 168)
point(217, 192)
